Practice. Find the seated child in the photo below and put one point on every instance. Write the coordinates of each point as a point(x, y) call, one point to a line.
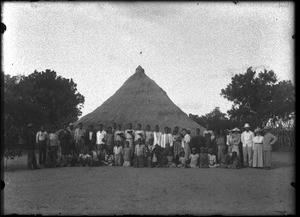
point(126, 155)
point(95, 158)
point(225, 159)
point(156, 153)
point(212, 159)
point(117, 154)
point(235, 162)
point(85, 158)
point(169, 156)
point(194, 157)
point(204, 160)
point(109, 159)
point(182, 159)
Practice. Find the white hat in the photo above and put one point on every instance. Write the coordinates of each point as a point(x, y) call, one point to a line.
point(246, 125)
point(235, 129)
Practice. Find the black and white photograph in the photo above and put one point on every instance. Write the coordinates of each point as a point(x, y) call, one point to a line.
point(148, 108)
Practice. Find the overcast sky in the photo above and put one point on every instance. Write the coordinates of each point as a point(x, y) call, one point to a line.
point(191, 50)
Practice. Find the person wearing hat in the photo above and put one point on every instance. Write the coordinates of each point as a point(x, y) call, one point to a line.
point(247, 141)
point(236, 140)
point(268, 142)
point(257, 149)
point(30, 140)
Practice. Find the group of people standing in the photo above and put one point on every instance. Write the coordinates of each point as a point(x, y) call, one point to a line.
point(147, 148)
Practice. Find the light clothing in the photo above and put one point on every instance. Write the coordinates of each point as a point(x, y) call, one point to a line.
point(53, 139)
point(126, 163)
point(236, 139)
point(247, 138)
point(212, 160)
point(148, 136)
point(90, 135)
point(257, 151)
point(164, 140)
point(268, 141)
point(128, 135)
point(117, 150)
point(267, 158)
point(78, 134)
point(247, 156)
point(209, 131)
point(41, 136)
point(84, 156)
point(157, 138)
point(170, 139)
point(186, 145)
point(95, 156)
point(99, 136)
point(229, 143)
point(194, 160)
point(139, 134)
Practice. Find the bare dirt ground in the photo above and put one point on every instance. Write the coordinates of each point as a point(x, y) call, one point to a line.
point(152, 191)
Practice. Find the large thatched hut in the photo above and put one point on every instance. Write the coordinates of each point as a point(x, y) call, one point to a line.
point(140, 100)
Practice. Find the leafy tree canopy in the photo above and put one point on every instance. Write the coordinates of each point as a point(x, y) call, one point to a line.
point(42, 98)
point(259, 98)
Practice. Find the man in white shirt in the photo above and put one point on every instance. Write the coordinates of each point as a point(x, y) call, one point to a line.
point(100, 137)
point(41, 138)
point(157, 136)
point(165, 138)
point(186, 143)
point(139, 133)
point(247, 141)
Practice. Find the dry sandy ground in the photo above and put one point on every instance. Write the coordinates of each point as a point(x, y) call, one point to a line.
point(117, 190)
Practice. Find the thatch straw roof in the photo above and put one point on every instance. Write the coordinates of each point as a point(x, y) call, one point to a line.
point(140, 100)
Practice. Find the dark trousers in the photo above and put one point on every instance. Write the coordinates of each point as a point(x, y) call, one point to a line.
point(31, 161)
point(42, 152)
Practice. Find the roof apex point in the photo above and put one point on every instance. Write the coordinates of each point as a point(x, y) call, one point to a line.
point(139, 69)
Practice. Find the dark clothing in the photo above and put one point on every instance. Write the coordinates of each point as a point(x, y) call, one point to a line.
point(30, 145)
point(42, 151)
point(197, 142)
point(88, 142)
point(65, 138)
point(31, 161)
point(30, 140)
point(204, 160)
point(207, 140)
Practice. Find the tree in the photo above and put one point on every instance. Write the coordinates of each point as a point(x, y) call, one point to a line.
point(259, 98)
point(216, 120)
point(42, 98)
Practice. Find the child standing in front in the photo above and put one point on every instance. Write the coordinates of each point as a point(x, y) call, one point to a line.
point(126, 155)
point(117, 153)
point(182, 159)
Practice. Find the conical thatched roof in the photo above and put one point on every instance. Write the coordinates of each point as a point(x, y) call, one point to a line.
point(140, 100)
